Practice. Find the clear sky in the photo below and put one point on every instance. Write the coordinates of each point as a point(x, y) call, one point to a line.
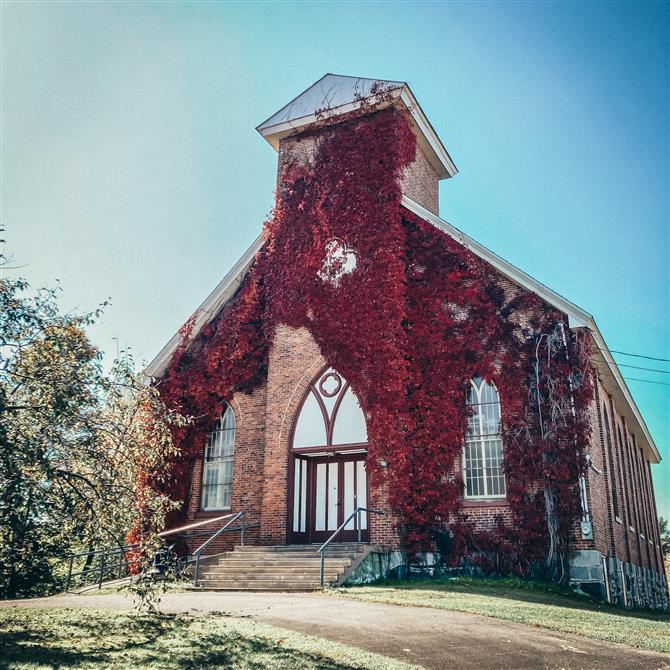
point(131, 168)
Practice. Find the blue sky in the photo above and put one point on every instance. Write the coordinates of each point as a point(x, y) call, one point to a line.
point(131, 168)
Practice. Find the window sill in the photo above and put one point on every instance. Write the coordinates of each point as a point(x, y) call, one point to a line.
point(205, 513)
point(484, 502)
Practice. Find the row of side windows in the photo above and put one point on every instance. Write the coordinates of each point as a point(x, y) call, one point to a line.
point(482, 452)
point(629, 480)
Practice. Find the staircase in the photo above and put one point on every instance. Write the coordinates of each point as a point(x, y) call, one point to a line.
point(279, 568)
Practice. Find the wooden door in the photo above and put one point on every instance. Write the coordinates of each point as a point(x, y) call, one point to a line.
point(338, 486)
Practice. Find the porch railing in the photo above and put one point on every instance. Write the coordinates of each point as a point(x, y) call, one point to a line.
point(103, 564)
point(198, 552)
point(356, 513)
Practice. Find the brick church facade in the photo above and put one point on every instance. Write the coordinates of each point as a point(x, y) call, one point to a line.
point(291, 452)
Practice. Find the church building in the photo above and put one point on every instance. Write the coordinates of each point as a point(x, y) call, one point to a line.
point(368, 367)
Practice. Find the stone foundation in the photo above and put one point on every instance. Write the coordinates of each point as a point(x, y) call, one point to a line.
point(605, 578)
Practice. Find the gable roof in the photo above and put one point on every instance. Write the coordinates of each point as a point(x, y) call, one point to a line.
point(337, 94)
point(611, 377)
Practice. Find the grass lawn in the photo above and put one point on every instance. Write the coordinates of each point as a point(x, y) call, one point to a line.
point(526, 603)
point(84, 639)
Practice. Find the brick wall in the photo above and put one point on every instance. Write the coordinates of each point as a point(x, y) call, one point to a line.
point(294, 360)
point(618, 476)
point(419, 181)
point(621, 495)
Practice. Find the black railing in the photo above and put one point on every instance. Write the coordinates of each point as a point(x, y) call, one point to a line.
point(101, 565)
point(356, 513)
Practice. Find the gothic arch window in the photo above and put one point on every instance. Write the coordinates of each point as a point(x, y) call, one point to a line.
point(217, 473)
point(483, 451)
point(330, 415)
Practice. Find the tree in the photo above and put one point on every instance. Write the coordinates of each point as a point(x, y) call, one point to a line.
point(73, 442)
point(664, 532)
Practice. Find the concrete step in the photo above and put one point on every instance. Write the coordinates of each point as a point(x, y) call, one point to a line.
point(267, 576)
point(276, 568)
point(288, 570)
point(307, 548)
point(294, 562)
point(258, 586)
point(275, 555)
point(283, 576)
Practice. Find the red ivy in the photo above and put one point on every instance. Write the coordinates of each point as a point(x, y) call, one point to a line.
point(418, 317)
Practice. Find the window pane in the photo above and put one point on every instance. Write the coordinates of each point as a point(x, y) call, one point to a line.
point(218, 467)
point(310, 430)
point(474, 470)
point(483, 452)
point(350, 425)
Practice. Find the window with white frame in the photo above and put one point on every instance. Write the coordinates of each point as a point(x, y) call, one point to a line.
point(217, 475)
point(483, 451)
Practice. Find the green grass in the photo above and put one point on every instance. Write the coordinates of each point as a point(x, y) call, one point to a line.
point(36, 639)
point(541, 605)
point(180, 586)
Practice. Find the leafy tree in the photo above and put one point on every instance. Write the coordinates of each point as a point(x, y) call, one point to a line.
point(664, 531)
point(73, 442)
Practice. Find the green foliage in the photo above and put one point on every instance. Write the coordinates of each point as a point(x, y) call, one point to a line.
point(73, 441)
point(664, 531)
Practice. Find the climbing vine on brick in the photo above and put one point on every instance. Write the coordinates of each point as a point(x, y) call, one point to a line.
point(416, 318)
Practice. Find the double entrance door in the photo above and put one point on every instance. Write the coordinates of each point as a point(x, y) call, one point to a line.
point(326, 490)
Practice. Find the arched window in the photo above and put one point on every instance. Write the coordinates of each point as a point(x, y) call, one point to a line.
point(483, 451)
point(217, 475)
point(330, 415)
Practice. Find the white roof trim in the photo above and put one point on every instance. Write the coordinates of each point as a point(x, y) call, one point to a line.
point(614, 383)
point(577, 318)
point(210, 307)
point(399, 92)
point(613, 380)
point(576, 315)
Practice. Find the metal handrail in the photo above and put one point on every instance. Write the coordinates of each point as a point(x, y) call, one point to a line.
point(206, 522)
point(104, 566)
point(206, 543)
point(357, 511)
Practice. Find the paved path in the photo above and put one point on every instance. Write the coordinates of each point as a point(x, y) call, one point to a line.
point(435, 639)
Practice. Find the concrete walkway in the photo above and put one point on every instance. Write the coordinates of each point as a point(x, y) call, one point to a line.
point(435, 639)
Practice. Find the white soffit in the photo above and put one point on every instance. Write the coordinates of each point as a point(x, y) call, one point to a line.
point(576, 315)
point(577, 318)
point(210, 307)
point(606, 366)
point(339, 95)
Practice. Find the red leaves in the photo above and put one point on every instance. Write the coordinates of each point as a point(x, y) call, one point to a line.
point(416, 319)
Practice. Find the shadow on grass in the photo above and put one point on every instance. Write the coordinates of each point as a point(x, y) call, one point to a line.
point(528, 592)
point(126, 641)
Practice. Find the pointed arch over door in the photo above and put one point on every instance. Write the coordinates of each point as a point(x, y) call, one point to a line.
point(330, 415)
point(328, 479)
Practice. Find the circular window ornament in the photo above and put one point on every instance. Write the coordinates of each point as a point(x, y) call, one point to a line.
point(330, 384)
point(339, 260)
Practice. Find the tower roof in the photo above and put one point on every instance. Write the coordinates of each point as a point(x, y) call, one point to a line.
point(335, 95)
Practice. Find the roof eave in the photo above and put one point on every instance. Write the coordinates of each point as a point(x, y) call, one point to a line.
point(577, 318)
point(427, 137)
point(615, 384)
point(209, 308)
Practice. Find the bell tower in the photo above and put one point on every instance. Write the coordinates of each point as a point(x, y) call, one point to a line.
point(334, 97)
